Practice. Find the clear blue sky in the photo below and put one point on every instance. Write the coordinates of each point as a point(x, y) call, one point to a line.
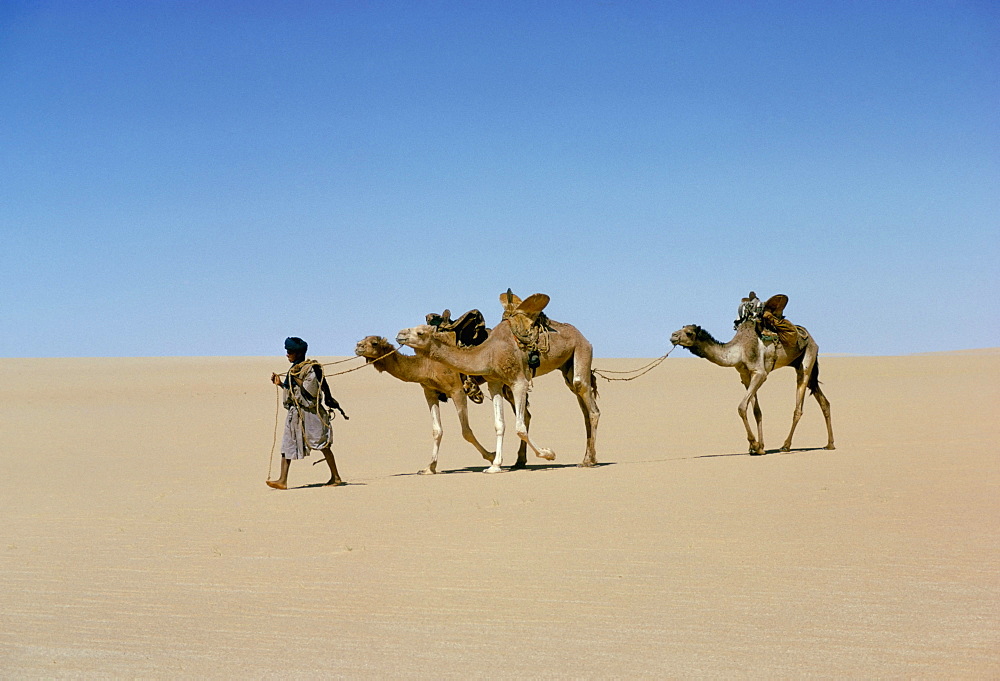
point(206, 178)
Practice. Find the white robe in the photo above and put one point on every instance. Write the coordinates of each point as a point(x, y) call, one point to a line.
point(307, 425)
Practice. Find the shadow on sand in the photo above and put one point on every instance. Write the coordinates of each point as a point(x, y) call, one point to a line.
point(510, 469)
point(323, 484)
point(793, 450)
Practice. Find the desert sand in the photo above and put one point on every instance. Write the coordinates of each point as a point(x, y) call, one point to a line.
point(140, 540)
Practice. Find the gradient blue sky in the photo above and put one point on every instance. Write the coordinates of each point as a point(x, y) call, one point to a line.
point(206, 178)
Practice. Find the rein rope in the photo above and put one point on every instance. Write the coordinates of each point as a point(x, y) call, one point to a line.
point(641, 371)
point(347, 371)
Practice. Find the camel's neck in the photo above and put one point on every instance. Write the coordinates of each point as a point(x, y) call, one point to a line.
point(724, 354)
point(473, 361)
point(398, 366)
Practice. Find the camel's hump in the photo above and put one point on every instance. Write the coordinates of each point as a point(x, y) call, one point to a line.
point(534, 303)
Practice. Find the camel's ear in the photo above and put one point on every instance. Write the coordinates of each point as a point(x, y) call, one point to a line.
point(509, 301)
point(534, 303)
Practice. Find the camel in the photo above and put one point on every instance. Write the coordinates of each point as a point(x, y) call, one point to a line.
point(438, 381)
point(502, 361)
point(754, 359)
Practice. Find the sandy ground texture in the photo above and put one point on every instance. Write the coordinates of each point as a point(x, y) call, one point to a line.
point(139, 539)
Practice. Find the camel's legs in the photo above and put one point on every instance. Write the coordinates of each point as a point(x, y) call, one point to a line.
point(591, 415)
point(520, 391)
point(801, 382)
point(522, 448)
point(581, 385)
point(759, 418)
point(462, 407)
point(496, 395)
point(808, 372)
point(756, 380)
point(824, 404)
point(746, 377)
point(437, 432)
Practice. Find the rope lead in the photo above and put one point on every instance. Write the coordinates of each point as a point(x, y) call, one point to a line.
point(642, 371)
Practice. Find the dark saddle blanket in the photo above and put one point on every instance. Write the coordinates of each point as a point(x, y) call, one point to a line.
point(469, 329)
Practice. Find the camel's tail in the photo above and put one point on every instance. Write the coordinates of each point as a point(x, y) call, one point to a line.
point(593, 384)
point(814, 378)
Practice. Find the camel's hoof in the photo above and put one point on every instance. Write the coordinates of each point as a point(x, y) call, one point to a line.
point(546, 454)
point(427, 471)
point(785, 449)
point(493, 469)
point(829, 447)
point(587, 464)
point(519, 465)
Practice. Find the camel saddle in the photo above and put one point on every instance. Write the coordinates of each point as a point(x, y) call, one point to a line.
point(529, 325)
point(524, 314)
point(750, 308)
point(469, 329)
point(527, 321)
point(776, 305)
point(774, 326)
point(769, 320)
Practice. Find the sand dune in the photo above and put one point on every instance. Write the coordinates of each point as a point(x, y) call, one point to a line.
point(140, 540)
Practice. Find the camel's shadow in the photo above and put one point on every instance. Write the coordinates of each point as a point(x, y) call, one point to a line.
point(793, 450)
point(555, 466)
point(531, 467)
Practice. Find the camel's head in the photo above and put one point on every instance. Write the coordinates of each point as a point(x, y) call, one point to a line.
point(417, 337)
point(687, 336)
point(373, 347)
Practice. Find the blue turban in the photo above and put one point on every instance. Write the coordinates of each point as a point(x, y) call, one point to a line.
point(296, 345)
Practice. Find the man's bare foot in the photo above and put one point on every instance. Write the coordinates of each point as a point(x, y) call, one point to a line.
point(335, 482)
point(276, 484)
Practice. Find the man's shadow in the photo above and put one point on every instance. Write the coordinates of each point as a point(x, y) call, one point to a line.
point(315, 485)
